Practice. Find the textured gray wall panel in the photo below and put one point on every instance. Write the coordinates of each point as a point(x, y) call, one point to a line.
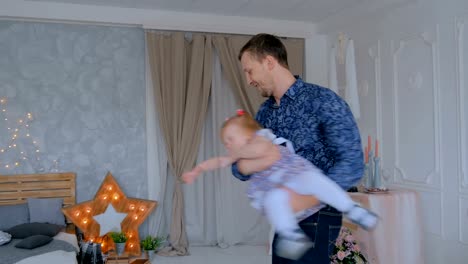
point(85, 86)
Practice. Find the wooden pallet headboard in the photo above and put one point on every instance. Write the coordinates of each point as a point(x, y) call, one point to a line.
point(15, 189)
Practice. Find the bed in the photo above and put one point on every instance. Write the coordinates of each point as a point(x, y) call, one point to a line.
point(44, 236)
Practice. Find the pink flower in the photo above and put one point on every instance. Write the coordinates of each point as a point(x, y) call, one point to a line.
point(356, 248)
point(341, 255)
point(339, 241)
point(346, 248)
point(349, 238)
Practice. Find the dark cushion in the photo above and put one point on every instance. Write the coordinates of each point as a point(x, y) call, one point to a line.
point(32, 229)
point(46, 211)
point(11, 215)
point(34, 241)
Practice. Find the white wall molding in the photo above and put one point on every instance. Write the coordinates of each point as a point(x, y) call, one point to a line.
point(461, 108)
point(374, 53)
point(432, 40)
point(401, 45)
point(151, 19)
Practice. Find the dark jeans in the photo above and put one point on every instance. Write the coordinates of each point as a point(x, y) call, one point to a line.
point(322, 228)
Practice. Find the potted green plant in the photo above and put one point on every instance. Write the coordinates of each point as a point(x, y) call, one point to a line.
point(119, 239)
point(150, 244)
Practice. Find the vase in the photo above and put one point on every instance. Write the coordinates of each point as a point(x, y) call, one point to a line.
point(367, 178)
point(149, 254)
point(119, 248)
point(377, 178)
point(370, 171)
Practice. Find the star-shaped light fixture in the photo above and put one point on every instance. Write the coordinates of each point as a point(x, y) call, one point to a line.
point(90, 216)
point(109, 221)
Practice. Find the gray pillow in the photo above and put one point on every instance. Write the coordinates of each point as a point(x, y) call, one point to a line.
point(31, 229)
point(11, 215)
point(46, 211)
point(34, 242)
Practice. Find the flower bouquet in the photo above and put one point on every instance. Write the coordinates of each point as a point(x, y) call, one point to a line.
point(347, 251)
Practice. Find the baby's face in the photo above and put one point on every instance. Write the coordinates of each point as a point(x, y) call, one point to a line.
point(234, 137)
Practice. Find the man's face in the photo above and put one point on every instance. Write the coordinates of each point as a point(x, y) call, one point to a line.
point(257, 73)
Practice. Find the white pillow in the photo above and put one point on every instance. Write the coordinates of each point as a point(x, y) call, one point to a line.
point(4, 238)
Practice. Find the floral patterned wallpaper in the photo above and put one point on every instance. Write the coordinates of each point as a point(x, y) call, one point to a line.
point(84, 87)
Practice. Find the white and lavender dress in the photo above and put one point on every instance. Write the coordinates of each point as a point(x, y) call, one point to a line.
point(287, 171)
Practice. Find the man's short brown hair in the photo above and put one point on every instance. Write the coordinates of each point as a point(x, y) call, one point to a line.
point(264, 44)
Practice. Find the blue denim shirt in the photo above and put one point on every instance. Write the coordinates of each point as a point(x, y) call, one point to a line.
point(321, 127)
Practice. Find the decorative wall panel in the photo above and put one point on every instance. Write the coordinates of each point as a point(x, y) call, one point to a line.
point(462, 96)
point(416, 110)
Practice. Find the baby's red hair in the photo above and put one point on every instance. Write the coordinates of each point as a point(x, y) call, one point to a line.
point(244, 120)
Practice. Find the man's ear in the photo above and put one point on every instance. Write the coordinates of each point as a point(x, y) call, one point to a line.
point(270, 61)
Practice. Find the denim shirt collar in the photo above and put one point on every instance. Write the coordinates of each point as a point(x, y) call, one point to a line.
point(291, 92)
point(295, 88)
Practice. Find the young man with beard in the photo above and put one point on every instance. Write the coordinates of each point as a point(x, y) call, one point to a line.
point(322, 129)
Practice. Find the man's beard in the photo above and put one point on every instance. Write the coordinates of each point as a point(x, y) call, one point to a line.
point(265, 93)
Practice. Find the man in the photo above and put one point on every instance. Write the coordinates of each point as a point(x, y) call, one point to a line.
point(321, 127)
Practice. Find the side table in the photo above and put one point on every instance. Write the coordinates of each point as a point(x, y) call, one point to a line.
point(398, 237)
point(112, 258)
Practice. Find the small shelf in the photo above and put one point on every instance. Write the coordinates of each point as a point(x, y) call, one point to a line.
point(112, 258)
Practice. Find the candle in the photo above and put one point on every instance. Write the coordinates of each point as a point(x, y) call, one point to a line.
point(376, 148)
point(369, 143)
point(366, 155)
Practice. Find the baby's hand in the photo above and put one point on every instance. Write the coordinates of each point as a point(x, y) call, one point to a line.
point(225, 161)
point(189, 177)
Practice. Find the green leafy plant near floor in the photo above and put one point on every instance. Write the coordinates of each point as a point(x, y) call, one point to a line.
point(152, 243)
point(118, 237)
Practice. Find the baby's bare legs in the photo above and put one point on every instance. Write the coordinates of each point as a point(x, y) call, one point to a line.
point(299, 202)
point(281, 206)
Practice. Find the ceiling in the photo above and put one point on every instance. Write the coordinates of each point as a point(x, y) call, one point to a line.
point(312, 11)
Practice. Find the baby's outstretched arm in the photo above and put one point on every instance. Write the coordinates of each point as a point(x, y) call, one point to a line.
point(207, 165)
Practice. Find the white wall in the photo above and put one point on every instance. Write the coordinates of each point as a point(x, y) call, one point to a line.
point(414, 60)
point(315, 59)
point(151, 18)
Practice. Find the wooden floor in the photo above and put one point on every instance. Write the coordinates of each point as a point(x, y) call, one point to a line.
point(216, 255)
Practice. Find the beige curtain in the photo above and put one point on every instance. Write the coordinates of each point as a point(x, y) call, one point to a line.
point(228, 48)
point(181, 71)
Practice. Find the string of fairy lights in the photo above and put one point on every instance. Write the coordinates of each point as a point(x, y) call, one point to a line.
point(17, 129)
